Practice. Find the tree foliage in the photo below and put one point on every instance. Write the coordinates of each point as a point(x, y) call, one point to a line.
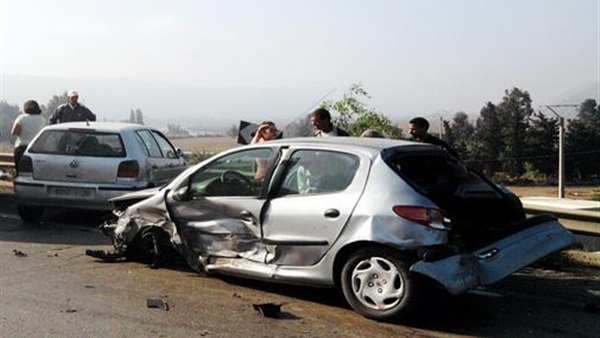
point(514, 111)
point(356, 117)
point(53, 103)
point(583, 143)
point(459, 134)
point(488, 142)
point(542, 144)
point(8, 114)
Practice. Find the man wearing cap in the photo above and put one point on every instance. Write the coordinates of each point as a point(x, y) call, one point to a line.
point(72, 111)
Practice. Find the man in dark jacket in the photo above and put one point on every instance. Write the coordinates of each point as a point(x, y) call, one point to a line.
point(72, 111)
point(419, 131)
point(321, 119)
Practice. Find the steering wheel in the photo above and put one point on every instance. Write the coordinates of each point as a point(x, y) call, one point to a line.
point(230, 175)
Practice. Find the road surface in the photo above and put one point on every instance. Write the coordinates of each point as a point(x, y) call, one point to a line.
point(50, 288)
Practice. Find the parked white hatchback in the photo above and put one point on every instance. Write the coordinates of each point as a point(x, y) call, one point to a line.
point(84, 164)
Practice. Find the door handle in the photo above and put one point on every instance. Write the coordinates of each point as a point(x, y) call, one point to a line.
point(332, 213)
point(246, 216)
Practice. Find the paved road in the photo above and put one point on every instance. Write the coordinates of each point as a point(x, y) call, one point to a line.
point(57, 291)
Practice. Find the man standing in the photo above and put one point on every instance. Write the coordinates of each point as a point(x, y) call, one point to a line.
point(418, 130)
point(321, 119)
point(72, 111)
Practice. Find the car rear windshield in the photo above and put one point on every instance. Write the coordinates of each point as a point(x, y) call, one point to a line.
point(79, 143)
point(433, 172)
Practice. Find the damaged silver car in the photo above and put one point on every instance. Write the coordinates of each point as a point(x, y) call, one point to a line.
point(374, 217)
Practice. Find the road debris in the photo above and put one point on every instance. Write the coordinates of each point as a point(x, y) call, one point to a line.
point(19, 253)
point(107, 255)
point(270, 310)
point(157, 303)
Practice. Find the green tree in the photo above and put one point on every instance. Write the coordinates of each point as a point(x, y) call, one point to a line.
point(8, 114)
point(53, 103)
point(459, 134)
point(139, 116)
point(541, 140)
point(232, 131)
point(514, 111)
point(582, 140)
point(488, 142)
point(356, 117)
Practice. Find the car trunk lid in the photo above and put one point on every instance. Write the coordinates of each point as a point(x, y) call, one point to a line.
point(75, 169)
point(467, 270)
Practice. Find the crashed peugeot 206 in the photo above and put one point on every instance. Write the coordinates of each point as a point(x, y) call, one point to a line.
point(374, 217)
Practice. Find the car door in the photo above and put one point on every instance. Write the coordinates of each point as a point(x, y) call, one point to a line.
point(217, 211)
point(311, 202)
point(163, 162)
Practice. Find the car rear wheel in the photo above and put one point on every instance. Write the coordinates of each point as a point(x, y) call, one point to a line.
point(30, 213)
point(377, 284)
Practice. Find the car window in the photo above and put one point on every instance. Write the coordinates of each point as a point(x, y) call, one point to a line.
point(149, 143)
point(79, 143)
point(315, 171)
point(165, 146)
point(432, 173)
point(231, 175)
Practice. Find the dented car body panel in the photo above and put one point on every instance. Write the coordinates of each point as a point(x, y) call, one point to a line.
point(293, 226)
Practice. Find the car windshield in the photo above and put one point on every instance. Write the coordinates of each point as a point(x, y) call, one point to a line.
point(79, 143)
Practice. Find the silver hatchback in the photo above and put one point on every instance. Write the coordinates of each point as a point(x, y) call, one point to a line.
point(381, 219)
point(83, 165)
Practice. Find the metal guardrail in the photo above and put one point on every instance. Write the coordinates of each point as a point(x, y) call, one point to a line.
point(7, 161)
point(579, 216)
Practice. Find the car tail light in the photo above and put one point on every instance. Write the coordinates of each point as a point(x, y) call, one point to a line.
point(128, 169)
point(430, 217)
point(25, 165)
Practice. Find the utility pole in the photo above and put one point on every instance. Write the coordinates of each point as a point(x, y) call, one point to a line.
point(441, 128)
point(561, 154)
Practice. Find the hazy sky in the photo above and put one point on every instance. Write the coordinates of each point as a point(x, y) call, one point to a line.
point(260, 59)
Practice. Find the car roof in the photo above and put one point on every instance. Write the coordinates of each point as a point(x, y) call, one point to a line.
point(369, 144)
point(98, 126)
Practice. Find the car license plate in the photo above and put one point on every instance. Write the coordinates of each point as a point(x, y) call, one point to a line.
point(70, 192)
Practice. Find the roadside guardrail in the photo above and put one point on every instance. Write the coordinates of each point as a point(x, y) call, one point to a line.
point(579, 216)
point(7, 161)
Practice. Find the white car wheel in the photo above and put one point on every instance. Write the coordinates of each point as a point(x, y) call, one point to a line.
point(377, 284)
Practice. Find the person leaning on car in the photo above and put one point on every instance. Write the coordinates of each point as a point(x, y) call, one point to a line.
point(25, 127)
point(419, 131)
point(266, 131)
point(321, 119)
point(72, 111)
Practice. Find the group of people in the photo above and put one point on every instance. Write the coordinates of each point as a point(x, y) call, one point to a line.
point(321, 120)
point(31, 121)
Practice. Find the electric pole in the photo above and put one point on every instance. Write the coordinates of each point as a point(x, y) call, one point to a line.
point(561, 154)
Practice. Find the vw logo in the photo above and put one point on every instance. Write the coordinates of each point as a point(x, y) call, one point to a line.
point(74, 163)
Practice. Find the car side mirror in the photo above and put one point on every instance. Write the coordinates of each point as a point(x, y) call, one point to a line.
point(182, 195)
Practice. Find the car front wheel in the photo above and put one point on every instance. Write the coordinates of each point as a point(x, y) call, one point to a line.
point(30, 213)
point(377, 284)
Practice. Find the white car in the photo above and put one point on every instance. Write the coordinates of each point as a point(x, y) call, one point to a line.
point(84, 164)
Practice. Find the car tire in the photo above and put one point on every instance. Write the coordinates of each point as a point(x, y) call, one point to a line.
point(376, 282)
point(30, 213)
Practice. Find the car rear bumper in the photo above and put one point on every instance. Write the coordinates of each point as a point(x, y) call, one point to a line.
point(462, 272)
point(57, 194)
